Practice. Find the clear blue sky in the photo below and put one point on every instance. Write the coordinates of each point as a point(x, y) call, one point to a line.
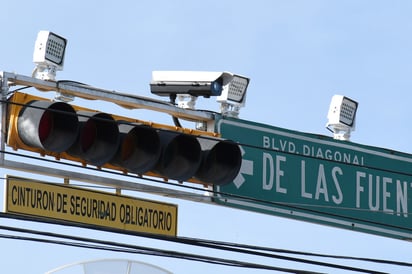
point(297, 54)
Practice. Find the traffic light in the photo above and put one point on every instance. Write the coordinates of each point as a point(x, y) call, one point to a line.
point(128, 145)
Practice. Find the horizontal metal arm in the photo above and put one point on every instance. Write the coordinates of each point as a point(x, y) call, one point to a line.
point(125, 100)
point(105, 181)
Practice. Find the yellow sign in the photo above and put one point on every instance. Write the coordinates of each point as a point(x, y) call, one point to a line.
point(63, 202)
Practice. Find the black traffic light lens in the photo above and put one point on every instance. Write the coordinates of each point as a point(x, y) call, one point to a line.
point(221, 161)
point(180, 157)
point(139, 148)
point(98, 139)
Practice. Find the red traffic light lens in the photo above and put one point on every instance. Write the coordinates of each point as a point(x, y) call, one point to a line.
point(45, 126)
point(88, 135)
point(51, 126)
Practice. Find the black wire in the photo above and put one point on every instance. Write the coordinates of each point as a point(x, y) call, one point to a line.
point(158, 181)
point(176, 121)
point(215, 193)
point(71, 82)
point(380, 261)
point(204, 242)
point(198, 243)
point(121, 247)
point(99, 247)
point(406, 173)
point(233, 196)
point(225, 246)
point(18, 89)
point(96, 118)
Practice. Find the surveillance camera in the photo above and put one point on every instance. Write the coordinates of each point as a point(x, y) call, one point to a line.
point(195, 83)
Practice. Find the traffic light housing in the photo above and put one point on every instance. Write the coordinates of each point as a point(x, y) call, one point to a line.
point(95, 138)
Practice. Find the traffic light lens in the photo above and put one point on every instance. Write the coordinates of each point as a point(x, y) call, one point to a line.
point(49, 126)
point(98, 139)
point(45, 126)
point(139, 148)
point(180, 156)
point(88, 135)
point(221, 161)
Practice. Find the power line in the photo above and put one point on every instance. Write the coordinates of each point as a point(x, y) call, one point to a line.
point(127, 248)
point(152, 251)
point(196, 241)
point(225, 246)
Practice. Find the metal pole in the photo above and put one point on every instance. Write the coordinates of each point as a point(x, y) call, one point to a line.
point(3, 115)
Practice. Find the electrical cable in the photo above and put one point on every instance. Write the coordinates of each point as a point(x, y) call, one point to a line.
point(185, 255)
point(71, 82)
point(120, 247)
point(382, 261)
point(232, 196)
point(215, 193)
point(176, 121)
point(296, 206)
point(15, 90)
point(198, 241)
point(230, 247)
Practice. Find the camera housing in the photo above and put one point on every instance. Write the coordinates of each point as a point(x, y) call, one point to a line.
point(194, 83)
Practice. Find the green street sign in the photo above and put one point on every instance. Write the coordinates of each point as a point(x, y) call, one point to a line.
point(318, 179)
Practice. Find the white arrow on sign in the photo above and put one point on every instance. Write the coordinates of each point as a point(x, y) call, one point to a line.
point(245, 168)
